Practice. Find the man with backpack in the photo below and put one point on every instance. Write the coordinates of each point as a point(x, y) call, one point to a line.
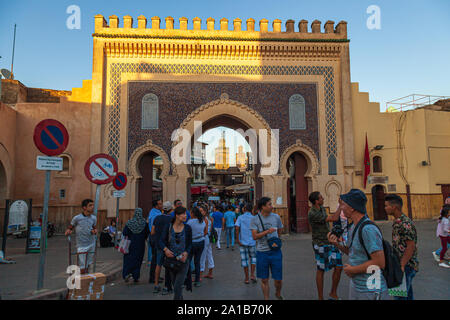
point(404, 240)
point(364, 248)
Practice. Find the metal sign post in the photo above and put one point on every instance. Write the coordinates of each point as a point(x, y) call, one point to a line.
point(5, 226)
point(51, 138)
point(97, 197)
point(40, 283)
point(99, 169)
point(119, 182)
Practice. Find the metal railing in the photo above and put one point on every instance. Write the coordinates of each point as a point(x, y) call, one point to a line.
point(412, 102)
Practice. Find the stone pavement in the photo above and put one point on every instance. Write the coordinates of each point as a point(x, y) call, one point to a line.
point(18, 281)
point(432, 282)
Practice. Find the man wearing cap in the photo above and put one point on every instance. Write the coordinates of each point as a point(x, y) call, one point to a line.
point(353, 204)
point(162, 221)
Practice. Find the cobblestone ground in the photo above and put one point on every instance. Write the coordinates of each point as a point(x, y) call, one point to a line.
point(19, 280)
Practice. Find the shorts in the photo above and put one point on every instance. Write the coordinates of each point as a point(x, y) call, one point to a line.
point(159, 257)
point(327, 257)
point(269, 261)
point(85, 253)
point(247, 253)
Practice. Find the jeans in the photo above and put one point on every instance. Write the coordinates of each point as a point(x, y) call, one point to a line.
point(444, 242)
point(178, 280)
point(367, 295)
point(207, 255)
point(197, 250)
point(152, 246)
point(409, 275)
point(230, 234)
point(438, 251)
point(219, 232)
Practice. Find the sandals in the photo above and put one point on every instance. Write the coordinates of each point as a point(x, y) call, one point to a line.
point(247, 282)
point(253, 280)
point(208, 276)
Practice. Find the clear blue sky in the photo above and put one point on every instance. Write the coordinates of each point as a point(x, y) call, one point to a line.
point(410, 54)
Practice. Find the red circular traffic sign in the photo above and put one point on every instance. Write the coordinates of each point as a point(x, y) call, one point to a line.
point(51, 137)
point(120, 181)
point(100, 168)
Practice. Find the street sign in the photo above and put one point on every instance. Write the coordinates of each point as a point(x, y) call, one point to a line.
point(119, 194)
point(120, 181)
point(51, 137)
point(49, 163)
point(100, 168)
point(18, 216)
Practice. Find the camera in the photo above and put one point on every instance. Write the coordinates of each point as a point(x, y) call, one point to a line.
point(337, 231)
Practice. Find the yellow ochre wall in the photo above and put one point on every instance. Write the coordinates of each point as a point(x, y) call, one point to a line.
point(425, 130)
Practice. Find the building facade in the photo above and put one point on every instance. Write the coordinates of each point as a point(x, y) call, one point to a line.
point(148, 82)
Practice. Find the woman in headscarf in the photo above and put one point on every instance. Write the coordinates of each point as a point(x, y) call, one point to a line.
point(137, 232)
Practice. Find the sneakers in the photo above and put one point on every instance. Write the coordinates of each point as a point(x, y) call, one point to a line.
point(128, 277)
point(157, 289)
point(444, 265)
point(165, 291)
point(436, 257)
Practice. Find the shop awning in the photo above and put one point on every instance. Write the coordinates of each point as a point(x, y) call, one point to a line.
point(240, 188)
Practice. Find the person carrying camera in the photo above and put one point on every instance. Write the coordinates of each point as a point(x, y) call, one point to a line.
point(327, 255)
point(363, 256)
point(266, 229)
point(176, 243)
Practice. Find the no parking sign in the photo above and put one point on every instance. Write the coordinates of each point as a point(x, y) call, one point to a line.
point(51, 137)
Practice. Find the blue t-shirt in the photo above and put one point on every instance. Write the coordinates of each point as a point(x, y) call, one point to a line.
point(198, 230)
point(357, 255)
point(151, 217)
point(217, 216)
point(245, 233)
point(229, 218)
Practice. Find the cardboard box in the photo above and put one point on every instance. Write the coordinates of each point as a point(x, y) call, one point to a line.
point(92, 287)
point(96, 296)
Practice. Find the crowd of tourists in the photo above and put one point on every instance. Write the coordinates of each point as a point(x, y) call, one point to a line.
point(183, 243)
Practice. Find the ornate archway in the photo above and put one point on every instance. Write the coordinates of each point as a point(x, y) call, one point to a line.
point(135, 174)
point(298, 183)
point(223, 107)
point(6, 174)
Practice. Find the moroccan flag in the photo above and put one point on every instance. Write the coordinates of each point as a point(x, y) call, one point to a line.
point(366, 163)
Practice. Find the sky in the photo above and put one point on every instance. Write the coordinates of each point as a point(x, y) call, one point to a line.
point(233, 140)
point(408, 53)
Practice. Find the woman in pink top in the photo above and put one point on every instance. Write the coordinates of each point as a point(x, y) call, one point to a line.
point(443, 233)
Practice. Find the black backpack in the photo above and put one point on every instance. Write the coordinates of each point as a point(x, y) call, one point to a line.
point(392, 271)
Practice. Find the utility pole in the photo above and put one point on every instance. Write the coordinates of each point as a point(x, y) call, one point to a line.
point(12, 60)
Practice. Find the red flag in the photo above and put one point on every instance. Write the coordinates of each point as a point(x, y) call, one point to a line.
point(366, 163)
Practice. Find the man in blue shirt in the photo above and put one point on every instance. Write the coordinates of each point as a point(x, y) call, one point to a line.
point(246, 242)
point(217, 216)
point(177, 203)
point(151, 257)
point(229, 219)
point(360, 268)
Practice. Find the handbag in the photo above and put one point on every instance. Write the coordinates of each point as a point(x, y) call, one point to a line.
point(213, 236)
point(274, 243)
point(124, 245)
point(172, 264)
